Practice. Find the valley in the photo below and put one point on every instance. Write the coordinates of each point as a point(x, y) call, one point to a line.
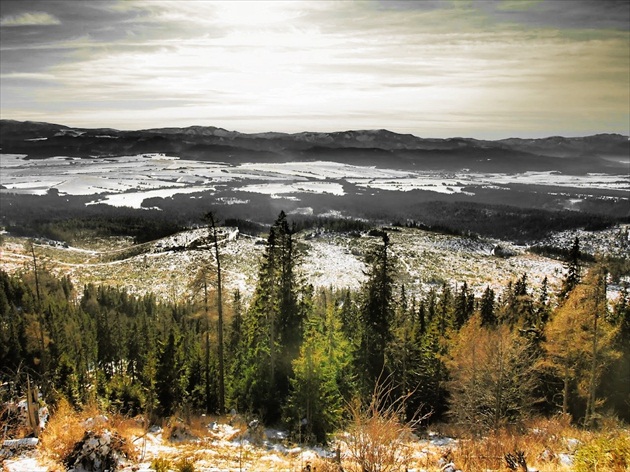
point(419, 252)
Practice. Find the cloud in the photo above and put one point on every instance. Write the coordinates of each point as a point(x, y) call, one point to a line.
point(37, 18)
point(431, 67)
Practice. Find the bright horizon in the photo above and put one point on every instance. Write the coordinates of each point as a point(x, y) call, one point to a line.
point(488, 70)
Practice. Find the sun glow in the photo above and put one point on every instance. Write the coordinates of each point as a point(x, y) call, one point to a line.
point(255, 13)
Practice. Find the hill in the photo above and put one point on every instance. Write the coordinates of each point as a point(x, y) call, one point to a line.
point(383, 148)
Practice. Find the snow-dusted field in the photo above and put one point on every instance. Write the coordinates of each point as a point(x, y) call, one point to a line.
point(224, 448)
point(154, 175)
point(425, 261)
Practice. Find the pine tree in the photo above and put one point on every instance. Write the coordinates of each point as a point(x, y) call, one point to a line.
point(542, 306)
point(422, 320)
point(315, 404)
point(272, 331)
point(573, 276)
point(486, 308)
point(404, 356)
point(377, 314)
point(430, 388)
point(444, 311)
point(518, 304)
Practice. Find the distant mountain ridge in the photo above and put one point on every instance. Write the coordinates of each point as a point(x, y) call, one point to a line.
point(598, 153)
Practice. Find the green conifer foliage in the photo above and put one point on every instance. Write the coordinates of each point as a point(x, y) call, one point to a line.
point(573, 269)
point(315, 404)
point(272, 328)
point(377, 314)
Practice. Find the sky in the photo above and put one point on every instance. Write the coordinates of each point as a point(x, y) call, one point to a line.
point(482, 69)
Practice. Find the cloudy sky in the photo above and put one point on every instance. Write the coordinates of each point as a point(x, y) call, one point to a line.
point(485, 69)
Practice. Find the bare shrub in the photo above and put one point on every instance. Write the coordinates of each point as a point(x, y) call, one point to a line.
point(542, 442)
point(378, 437)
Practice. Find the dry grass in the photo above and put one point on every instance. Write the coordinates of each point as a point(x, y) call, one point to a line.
point(543, 442)
point(63, 431)
point(67, 427)
point(378, 438)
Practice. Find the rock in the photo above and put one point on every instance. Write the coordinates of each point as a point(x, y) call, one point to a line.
point(565, 459)
point(573, 444)
point(14, 447)
point(98, 420)
point(96, 452)
point(20, 443)
point(181, 432)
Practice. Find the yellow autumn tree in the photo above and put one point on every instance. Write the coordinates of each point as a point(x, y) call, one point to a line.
point(579, 341)
point(492, 377)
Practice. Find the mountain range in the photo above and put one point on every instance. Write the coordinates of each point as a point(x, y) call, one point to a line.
point(606, 153)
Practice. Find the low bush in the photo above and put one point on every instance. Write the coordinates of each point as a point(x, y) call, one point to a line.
point(160, 464)
point(185, 465)
point(610, 452)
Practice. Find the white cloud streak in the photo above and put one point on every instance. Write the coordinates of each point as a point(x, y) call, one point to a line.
point(29, 19)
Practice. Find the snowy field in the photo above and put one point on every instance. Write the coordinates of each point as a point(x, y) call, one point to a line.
point(129, 180)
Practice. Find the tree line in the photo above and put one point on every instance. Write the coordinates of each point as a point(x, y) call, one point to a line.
point(297, 355)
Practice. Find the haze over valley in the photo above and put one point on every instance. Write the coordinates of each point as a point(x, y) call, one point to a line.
point(353, 174)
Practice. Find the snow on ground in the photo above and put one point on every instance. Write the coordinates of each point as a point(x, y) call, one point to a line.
point(225, 448)
point(333, 188)
point(148, 175)
point(331, 265)
point(135, 199)
point(426, 260)
point(323, 170)
point(25, 464)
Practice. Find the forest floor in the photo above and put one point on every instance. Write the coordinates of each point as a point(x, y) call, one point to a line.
point(213, 444)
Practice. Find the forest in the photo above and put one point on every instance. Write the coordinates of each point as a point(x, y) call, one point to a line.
point(296, 357)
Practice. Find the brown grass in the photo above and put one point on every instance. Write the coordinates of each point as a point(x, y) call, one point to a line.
point(379, 439)
point(541, 440)
point(376, 440)
point(67, 426)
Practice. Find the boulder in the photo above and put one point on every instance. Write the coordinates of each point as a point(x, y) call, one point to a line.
point(97, 452)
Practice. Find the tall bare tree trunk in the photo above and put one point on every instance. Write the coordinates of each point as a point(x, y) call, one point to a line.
point(565, 391)
point(207, 353)
point(40, 314)
point(220, 313)
point(600, 297)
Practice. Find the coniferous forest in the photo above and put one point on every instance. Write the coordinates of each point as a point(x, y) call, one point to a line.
point(294, 356)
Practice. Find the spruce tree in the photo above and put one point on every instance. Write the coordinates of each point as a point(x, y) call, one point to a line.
point(272, 331)
point(315, 404)
point(464, 305)
point(169, 387)
point(377, 314)
point(486, 308)
point(573, 269)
